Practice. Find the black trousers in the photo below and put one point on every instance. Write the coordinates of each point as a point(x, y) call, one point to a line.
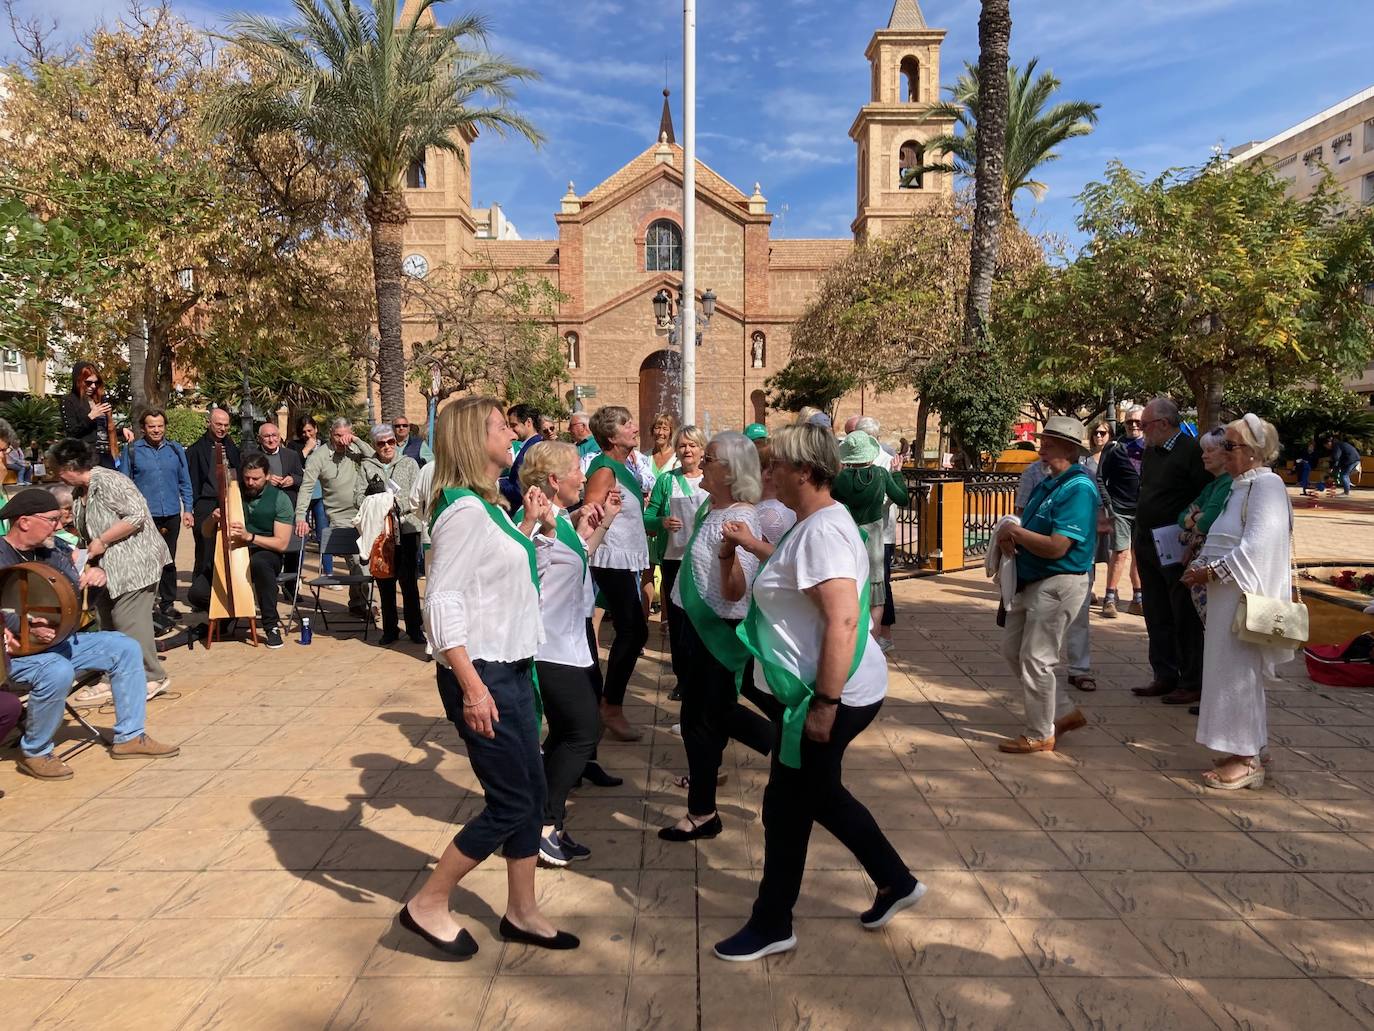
point(507, 765)
point(170, 528)
point(406, 554)
point(794, 800)
point(712, 714)
point(263, 567)
point(674, 615)
point(205, 546)
point(625, 608)
point(1174, 629)
point(570, 707)
point(889, 609)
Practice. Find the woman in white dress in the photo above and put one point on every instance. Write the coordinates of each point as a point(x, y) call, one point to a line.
point(1247, 551)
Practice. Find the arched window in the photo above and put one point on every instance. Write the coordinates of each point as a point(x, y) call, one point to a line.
point(415, 174)
point(913, 156)
point(663, 247)
point(909, 88)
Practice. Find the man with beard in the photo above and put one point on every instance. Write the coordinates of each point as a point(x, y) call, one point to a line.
point(265, 532)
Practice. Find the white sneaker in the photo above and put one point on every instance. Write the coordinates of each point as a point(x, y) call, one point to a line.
point(96, 694)
point(885, 643)
point(156, 687)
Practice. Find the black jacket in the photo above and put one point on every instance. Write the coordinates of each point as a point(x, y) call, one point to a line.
point(200, 459)
point(1344, 456)
point(1118, 478)
point(77, 424)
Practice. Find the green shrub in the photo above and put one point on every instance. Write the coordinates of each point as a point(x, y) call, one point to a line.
point(34, 418)
point(185, 425)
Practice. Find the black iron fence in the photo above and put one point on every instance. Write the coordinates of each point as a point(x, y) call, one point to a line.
point(948, 521)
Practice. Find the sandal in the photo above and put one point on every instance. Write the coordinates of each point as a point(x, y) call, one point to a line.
point(1253, 778)
point(1084, 682)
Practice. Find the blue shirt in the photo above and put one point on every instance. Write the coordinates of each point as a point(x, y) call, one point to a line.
point(1066, 504)
point(160, 474)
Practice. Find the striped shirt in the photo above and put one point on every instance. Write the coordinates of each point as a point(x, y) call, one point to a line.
point(137, 560)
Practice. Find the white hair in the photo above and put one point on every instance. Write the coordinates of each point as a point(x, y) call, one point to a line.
point(579, 417)
point(1259, 434)
point(739, 455)
point(1212, 439)
point(338, 423)
point(869, 425)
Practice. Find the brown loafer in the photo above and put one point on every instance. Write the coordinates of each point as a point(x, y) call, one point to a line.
point(1182, 697)
point(617, 727)
point(1154, 689)
point(44, 767)
point(1024, 745)
point(1083, 681)
point(1073, 721)
point(143, 747)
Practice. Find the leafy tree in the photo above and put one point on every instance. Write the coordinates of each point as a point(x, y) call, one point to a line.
point(186, 425)
point(379, 94)
point(1033, 132)
point(978, 396)
point(1208, 276)
point(1303, 412)
point(34, 417)
point(809, 380)
point(494, 331)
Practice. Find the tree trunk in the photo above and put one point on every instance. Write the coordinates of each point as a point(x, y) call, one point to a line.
point(155, 356)
point(994, 42)
point(138, 355)
point(1208, 386)
point(387, 216)
point(918, 446)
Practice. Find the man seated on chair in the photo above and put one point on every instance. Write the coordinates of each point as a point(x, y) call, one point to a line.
point(265, 532)
point(33, 517)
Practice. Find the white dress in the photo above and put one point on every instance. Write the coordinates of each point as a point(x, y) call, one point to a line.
point(1248, 547)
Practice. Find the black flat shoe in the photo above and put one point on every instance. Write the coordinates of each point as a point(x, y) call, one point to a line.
point(561, 940)
point(597, 774)
point(462, 947)
point(710, 829)
point(388, 639)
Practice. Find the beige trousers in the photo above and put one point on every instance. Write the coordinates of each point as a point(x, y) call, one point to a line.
point(1037, 623)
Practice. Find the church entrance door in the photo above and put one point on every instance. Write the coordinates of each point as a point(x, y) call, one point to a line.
point(660, 390)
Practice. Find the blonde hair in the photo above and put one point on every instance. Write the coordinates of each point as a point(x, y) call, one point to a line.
point(1260, 435)
point(551, 458)
point(460, 450)
point(692, 433)
point(809, 447)
point(665, 417)
point(605, 421)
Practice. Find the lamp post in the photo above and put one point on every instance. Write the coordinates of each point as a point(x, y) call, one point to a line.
point(670, 319)
point(689, 204)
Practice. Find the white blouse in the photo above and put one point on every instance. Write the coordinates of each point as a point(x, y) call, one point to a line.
point(479, 593)
point(707, 567)
point(566, 600)
point(775, 519)
point(625, 546)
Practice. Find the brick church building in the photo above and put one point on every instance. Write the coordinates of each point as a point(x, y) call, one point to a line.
point(620, 243)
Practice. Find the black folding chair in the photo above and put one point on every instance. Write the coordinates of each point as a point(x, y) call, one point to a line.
point(289, 579)
point(87, 733)
point(342, 543)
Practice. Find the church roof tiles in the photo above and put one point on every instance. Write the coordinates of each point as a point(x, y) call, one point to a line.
point(516, 253)
point(809, 254)
point(707, 178)
point(906, 15)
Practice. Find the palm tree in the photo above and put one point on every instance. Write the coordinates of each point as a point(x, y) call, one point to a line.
point(348, 77)
point(989, 174)
point(1032, 131)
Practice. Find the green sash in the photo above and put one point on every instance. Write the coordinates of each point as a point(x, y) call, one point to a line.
point(499, 517)
point(564, 531)
point(790, 690)
point(718, 636)
point(627, 479)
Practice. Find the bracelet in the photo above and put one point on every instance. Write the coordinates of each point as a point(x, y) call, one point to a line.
point(473, 705)
point(821, 699)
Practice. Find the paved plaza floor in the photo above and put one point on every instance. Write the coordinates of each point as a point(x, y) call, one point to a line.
point(253, 882)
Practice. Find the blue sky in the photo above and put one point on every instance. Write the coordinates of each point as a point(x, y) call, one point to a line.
point(780, 82)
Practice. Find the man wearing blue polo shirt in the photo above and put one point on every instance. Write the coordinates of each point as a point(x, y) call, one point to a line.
point(1054, 553)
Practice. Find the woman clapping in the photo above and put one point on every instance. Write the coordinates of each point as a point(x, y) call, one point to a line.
point(482, 617)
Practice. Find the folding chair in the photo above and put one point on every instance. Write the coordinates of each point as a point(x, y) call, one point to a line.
point(289, 579)
point(341, 542)
point(87, 733)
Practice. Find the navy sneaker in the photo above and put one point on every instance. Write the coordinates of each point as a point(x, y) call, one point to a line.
point(572, 849)
point(747, 945)
point(889, 904)
point(551, 850)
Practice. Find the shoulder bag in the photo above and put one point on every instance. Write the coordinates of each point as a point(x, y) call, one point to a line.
point(1271, 621)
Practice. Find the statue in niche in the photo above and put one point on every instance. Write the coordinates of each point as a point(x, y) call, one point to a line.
point(571, 339)
point(758, 355)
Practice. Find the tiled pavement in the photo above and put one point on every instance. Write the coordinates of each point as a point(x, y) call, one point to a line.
point(253, 881)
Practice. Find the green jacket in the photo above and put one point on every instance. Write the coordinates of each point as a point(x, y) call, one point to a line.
point(1209, 504)
point(865, 491)
point(658, 509)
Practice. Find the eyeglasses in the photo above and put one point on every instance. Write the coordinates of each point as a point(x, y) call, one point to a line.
point(1102, 433)
point(1132, 422)
point(1149, 422)
point(386, 443)
point(1231, 445)
point(55, 520)
point(400, 425)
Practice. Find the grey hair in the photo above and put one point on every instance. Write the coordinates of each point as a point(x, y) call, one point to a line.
point(381, 432)
point(1136, 410)
point(62, 492)
point(692, 433)
point(1212, 438)
point(1166, 409)
point(582, 416)
point(1259, 435)
point(869, 425)
point(809, 447)
point(339, 422)
point(7, 433)
point(738, 454)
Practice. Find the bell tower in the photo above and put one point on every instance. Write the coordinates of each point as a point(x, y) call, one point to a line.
point(892, 130)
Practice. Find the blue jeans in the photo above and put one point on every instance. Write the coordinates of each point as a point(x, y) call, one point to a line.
point(49, 677)
point(316, 514)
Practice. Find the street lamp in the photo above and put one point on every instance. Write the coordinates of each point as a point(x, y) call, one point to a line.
point(670, 317)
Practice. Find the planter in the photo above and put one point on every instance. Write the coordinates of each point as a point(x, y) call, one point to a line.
point(1335, 615)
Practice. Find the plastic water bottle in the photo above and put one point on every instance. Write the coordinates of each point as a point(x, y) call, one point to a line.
point(307, 635)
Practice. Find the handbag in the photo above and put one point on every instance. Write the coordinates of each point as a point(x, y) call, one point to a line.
point(1272, 621)
point(381, 560)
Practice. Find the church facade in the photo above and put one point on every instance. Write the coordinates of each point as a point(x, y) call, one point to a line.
point(620, 243)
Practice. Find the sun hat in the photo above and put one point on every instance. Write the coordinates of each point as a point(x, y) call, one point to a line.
point(1064, 427)
point(756, 431)
point(858, 448)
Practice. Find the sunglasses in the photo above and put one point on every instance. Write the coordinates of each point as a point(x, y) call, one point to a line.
point(1231, 445)
point(386, 443)
point(400, 425)
point(1101, 433)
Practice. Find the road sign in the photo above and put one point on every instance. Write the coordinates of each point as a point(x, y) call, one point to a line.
point(584, 390)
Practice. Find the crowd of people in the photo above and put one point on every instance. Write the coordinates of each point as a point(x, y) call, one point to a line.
point(768, 555)
point(1208, 525)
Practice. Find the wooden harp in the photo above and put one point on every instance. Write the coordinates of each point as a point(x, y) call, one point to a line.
point(231, 591)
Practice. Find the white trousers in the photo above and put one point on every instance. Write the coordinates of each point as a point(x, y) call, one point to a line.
point(1037, 623)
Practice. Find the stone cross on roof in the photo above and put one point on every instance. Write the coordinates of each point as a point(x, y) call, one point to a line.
point(906, 14)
